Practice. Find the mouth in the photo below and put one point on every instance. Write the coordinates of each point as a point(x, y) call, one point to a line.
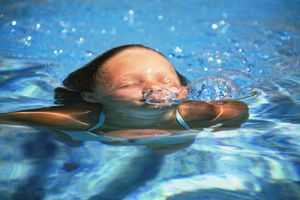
point(161, 98)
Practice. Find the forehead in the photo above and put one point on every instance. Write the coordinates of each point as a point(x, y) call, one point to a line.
point(138, 60)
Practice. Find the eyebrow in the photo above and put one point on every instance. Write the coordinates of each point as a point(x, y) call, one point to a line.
point(132, 75)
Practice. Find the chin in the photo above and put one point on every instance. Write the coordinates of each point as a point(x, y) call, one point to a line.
point(157, 106)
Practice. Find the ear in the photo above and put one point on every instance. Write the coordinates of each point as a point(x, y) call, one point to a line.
point(89, 97)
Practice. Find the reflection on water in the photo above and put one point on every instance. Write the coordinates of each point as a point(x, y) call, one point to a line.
point(258, 161)
point(227, 52)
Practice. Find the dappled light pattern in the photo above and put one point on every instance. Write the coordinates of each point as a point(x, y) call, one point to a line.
point(246, 50)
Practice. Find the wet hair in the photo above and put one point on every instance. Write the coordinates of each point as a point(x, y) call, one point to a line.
point(87, 77)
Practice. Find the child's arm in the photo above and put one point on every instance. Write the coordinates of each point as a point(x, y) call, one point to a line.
point(204, 114)
point(63, 118)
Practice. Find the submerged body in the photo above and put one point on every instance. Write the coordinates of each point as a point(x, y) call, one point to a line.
point(134, 88)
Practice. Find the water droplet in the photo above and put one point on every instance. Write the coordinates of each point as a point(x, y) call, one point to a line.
point(160, 17)
point(89, 53)
point(131, 12)
point(205, 69)
point(73, 29)
point(214, 26)
point(55, 52)
point(172, 28)
point(103, 31)
point(37, 26)
point(29, 38)
point(64, 31)
point(222, 22)
point(178, 50)
point(14, 22)
point(125, 19)
point(210, 59)
point(241, 50)
point(226, 54)
point(63, 24)
point(60, 51)
point(219, 61)
point(81, 40)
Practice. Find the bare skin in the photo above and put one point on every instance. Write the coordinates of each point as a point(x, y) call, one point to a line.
point(131, 74)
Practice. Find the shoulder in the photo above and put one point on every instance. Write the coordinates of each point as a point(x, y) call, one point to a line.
point(56, 117)
point(87, 114)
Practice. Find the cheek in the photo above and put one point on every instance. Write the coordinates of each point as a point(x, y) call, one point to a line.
point(183, 92)
point(130, 93)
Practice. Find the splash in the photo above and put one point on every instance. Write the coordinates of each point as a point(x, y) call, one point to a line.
point(232, 84)
point(161, 97)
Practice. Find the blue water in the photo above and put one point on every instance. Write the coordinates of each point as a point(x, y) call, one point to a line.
point(228, 49)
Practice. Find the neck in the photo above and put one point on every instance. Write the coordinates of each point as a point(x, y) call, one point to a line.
point(139, 118)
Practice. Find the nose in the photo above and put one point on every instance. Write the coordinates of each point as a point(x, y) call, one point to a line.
point(151, 87)
point(154, 86)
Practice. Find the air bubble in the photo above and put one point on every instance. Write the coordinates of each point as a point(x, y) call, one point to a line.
point(14, 22)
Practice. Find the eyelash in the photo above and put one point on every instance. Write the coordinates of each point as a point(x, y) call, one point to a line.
point(127, 85)
point(170, 82)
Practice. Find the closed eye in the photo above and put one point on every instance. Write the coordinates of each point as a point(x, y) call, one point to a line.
point(127, 85)
point(170, 82)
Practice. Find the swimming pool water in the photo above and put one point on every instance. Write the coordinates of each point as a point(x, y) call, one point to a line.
point(228, 49)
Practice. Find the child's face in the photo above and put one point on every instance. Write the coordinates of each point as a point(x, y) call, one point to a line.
point(135, 74)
